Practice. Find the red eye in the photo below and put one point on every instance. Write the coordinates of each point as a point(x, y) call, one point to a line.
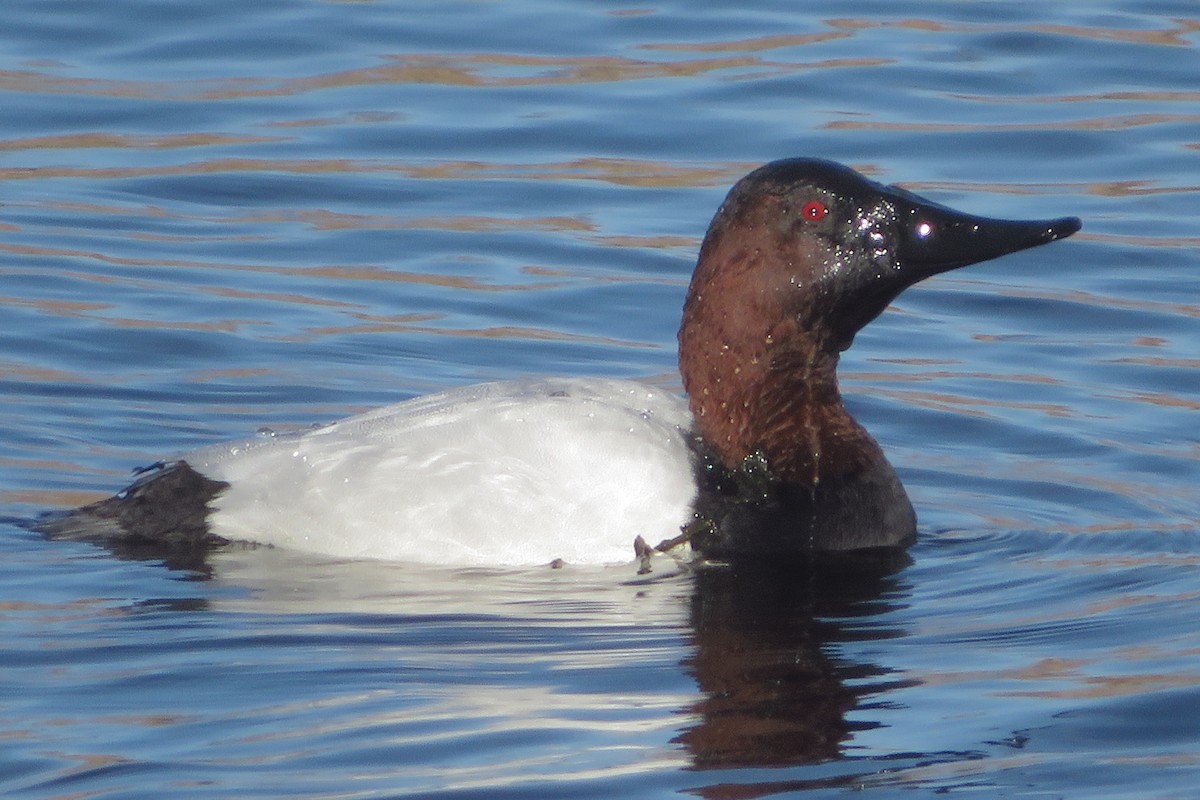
point(814, 210)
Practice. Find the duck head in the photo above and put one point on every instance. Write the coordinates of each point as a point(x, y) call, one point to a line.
point(801, 255)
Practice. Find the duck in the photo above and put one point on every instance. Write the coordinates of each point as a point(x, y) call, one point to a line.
point(758, 458)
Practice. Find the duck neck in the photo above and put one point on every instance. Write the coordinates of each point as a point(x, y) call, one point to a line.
point(760, 374)
point(777, 399)
point(781, 465)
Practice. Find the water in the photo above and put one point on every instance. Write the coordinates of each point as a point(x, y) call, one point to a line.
point(220, 216)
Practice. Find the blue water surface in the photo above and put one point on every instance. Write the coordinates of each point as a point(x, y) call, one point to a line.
point(220, 216)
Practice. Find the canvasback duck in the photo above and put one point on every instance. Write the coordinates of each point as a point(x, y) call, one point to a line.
point(761, 458)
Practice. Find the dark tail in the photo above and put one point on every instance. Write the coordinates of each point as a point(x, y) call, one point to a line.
point(162, 515)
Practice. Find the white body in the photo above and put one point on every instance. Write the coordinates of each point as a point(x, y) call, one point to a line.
point(496, 474)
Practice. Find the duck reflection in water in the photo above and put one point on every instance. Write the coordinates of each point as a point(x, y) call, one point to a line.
point(772, 695)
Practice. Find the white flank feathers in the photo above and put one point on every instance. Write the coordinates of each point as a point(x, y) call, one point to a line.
point(495, 474)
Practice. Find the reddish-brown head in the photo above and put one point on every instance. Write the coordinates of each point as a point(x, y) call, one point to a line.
point(801, 255)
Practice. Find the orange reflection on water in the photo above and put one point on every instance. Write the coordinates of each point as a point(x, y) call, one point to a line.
point(486, 332)
point(77, 141)
point(1175, 36)
point(465, 69)
point(1108, 123)
point(623, 172)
